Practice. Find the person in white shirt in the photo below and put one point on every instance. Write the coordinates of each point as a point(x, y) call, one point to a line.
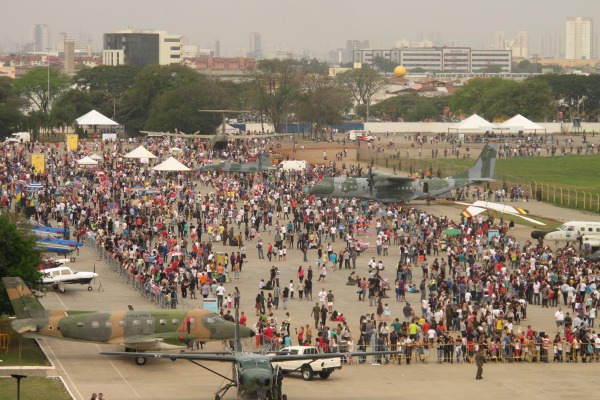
point(559, 318)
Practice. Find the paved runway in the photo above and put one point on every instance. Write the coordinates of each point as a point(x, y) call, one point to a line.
point(85, 371)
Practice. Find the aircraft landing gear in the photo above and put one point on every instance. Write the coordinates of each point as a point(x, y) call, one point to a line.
point(90, 288)
point(140, 360)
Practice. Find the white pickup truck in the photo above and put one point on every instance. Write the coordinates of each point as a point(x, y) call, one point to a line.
point(324, 367)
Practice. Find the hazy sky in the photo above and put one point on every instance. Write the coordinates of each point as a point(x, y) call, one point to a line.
point(319, 25)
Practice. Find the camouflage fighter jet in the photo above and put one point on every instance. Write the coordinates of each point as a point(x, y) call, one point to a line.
point(253, 374)
point(262, 163)
point(388, 188)
point(138, 331)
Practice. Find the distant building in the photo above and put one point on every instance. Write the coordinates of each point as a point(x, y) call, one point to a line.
point(519, 46)
point(441, 59)
point(69, 55)
point(352, 46)
point(41, 38)
point(579, 38)
point(553, 45)
point(254, 46)
point(140, 47)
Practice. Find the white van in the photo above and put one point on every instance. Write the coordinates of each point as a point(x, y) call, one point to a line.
point(361, 135)
point(18, 137)
point(293, 165)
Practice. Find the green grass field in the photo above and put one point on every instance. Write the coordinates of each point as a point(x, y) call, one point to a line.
point(33, 388)
point(23, 352)
point(574, 172)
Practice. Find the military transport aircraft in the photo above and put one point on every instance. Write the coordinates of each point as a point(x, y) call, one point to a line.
point(252, 373)
point(262, 163)
point(138, 331)
point(388, 188)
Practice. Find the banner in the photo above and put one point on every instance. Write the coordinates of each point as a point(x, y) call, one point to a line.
point(72, 141)
point(38, 162)
point(18, 192)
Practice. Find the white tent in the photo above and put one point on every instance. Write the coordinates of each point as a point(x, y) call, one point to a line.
point(473, 124)
point(87, 161)
point(94, 118)
point(171, 164)
point(228, 129)
point(519, 123)
point(96, 157)
point(140, 152)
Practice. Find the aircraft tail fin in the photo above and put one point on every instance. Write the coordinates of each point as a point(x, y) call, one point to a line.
point(483, 170)
point(24, 302)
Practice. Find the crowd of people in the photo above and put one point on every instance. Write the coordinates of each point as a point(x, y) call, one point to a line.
point(475, 287)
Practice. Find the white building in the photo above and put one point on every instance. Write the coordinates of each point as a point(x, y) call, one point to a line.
point(141, 47)
point(579, 38)
point(440, 59)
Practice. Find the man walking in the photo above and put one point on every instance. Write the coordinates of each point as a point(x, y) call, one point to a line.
point(479, 362)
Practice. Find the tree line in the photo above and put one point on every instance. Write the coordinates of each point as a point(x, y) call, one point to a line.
point(164, 98)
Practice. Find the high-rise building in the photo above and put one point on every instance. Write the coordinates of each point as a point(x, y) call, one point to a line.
point(255, 46)
point(41, 38)
point(141, 47)
point(553, 45)
point(579, 38)
point(69, 49)
point(499, 40)
point(351, 46)
point(218, 48)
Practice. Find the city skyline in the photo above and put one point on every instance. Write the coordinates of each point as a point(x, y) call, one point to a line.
point(310, 28)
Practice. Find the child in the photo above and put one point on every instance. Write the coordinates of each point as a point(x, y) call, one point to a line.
point(387, 312)
point(291, 289)
point(229, 301)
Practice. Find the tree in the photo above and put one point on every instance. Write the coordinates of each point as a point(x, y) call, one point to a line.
point(33, 86)
point(384, 65)
point(115, 80)
point(178, 108)
point(361, 83)
point(410, 107)
point(494, 98)
point(277, 83)
point(11, 117)
point(19, 255)
point(74, 103)
point(322, 103)
point(151, 82)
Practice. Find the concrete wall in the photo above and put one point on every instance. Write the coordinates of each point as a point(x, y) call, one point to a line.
point(552, 128)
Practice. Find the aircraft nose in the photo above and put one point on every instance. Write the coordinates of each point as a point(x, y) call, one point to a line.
point(263, 381)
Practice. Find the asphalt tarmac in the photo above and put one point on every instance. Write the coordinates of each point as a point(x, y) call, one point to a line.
point(85, 371)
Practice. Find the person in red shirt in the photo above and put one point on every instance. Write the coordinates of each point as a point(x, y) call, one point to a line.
point(243, 319)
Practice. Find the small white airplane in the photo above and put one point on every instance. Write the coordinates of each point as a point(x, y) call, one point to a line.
point(481, 206)
point(60, 276)
point(572, 231)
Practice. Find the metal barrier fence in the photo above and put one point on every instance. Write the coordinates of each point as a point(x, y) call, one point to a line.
point(147, 290)
point(540, 191)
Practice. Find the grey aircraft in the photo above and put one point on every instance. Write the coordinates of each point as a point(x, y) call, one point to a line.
point(388, 188)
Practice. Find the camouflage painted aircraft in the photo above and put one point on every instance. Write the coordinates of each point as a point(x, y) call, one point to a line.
point(138, 331)
point(253, 374)
point(388, 188)
point(262, 163)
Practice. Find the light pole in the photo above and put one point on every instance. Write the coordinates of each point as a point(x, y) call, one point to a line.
point(18, 378)
point(48, 63)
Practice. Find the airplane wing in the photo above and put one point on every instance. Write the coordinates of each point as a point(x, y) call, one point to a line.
point(265, 136)
point(218, 357)
point(480, 206)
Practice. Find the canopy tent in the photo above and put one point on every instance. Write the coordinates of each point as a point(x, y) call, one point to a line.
point(171, 164)
point(94, 118)
point(96, 157)
point(519, 123)
point(140, 152)
point(473, 124)
point(87, 161)
point(228, 129)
